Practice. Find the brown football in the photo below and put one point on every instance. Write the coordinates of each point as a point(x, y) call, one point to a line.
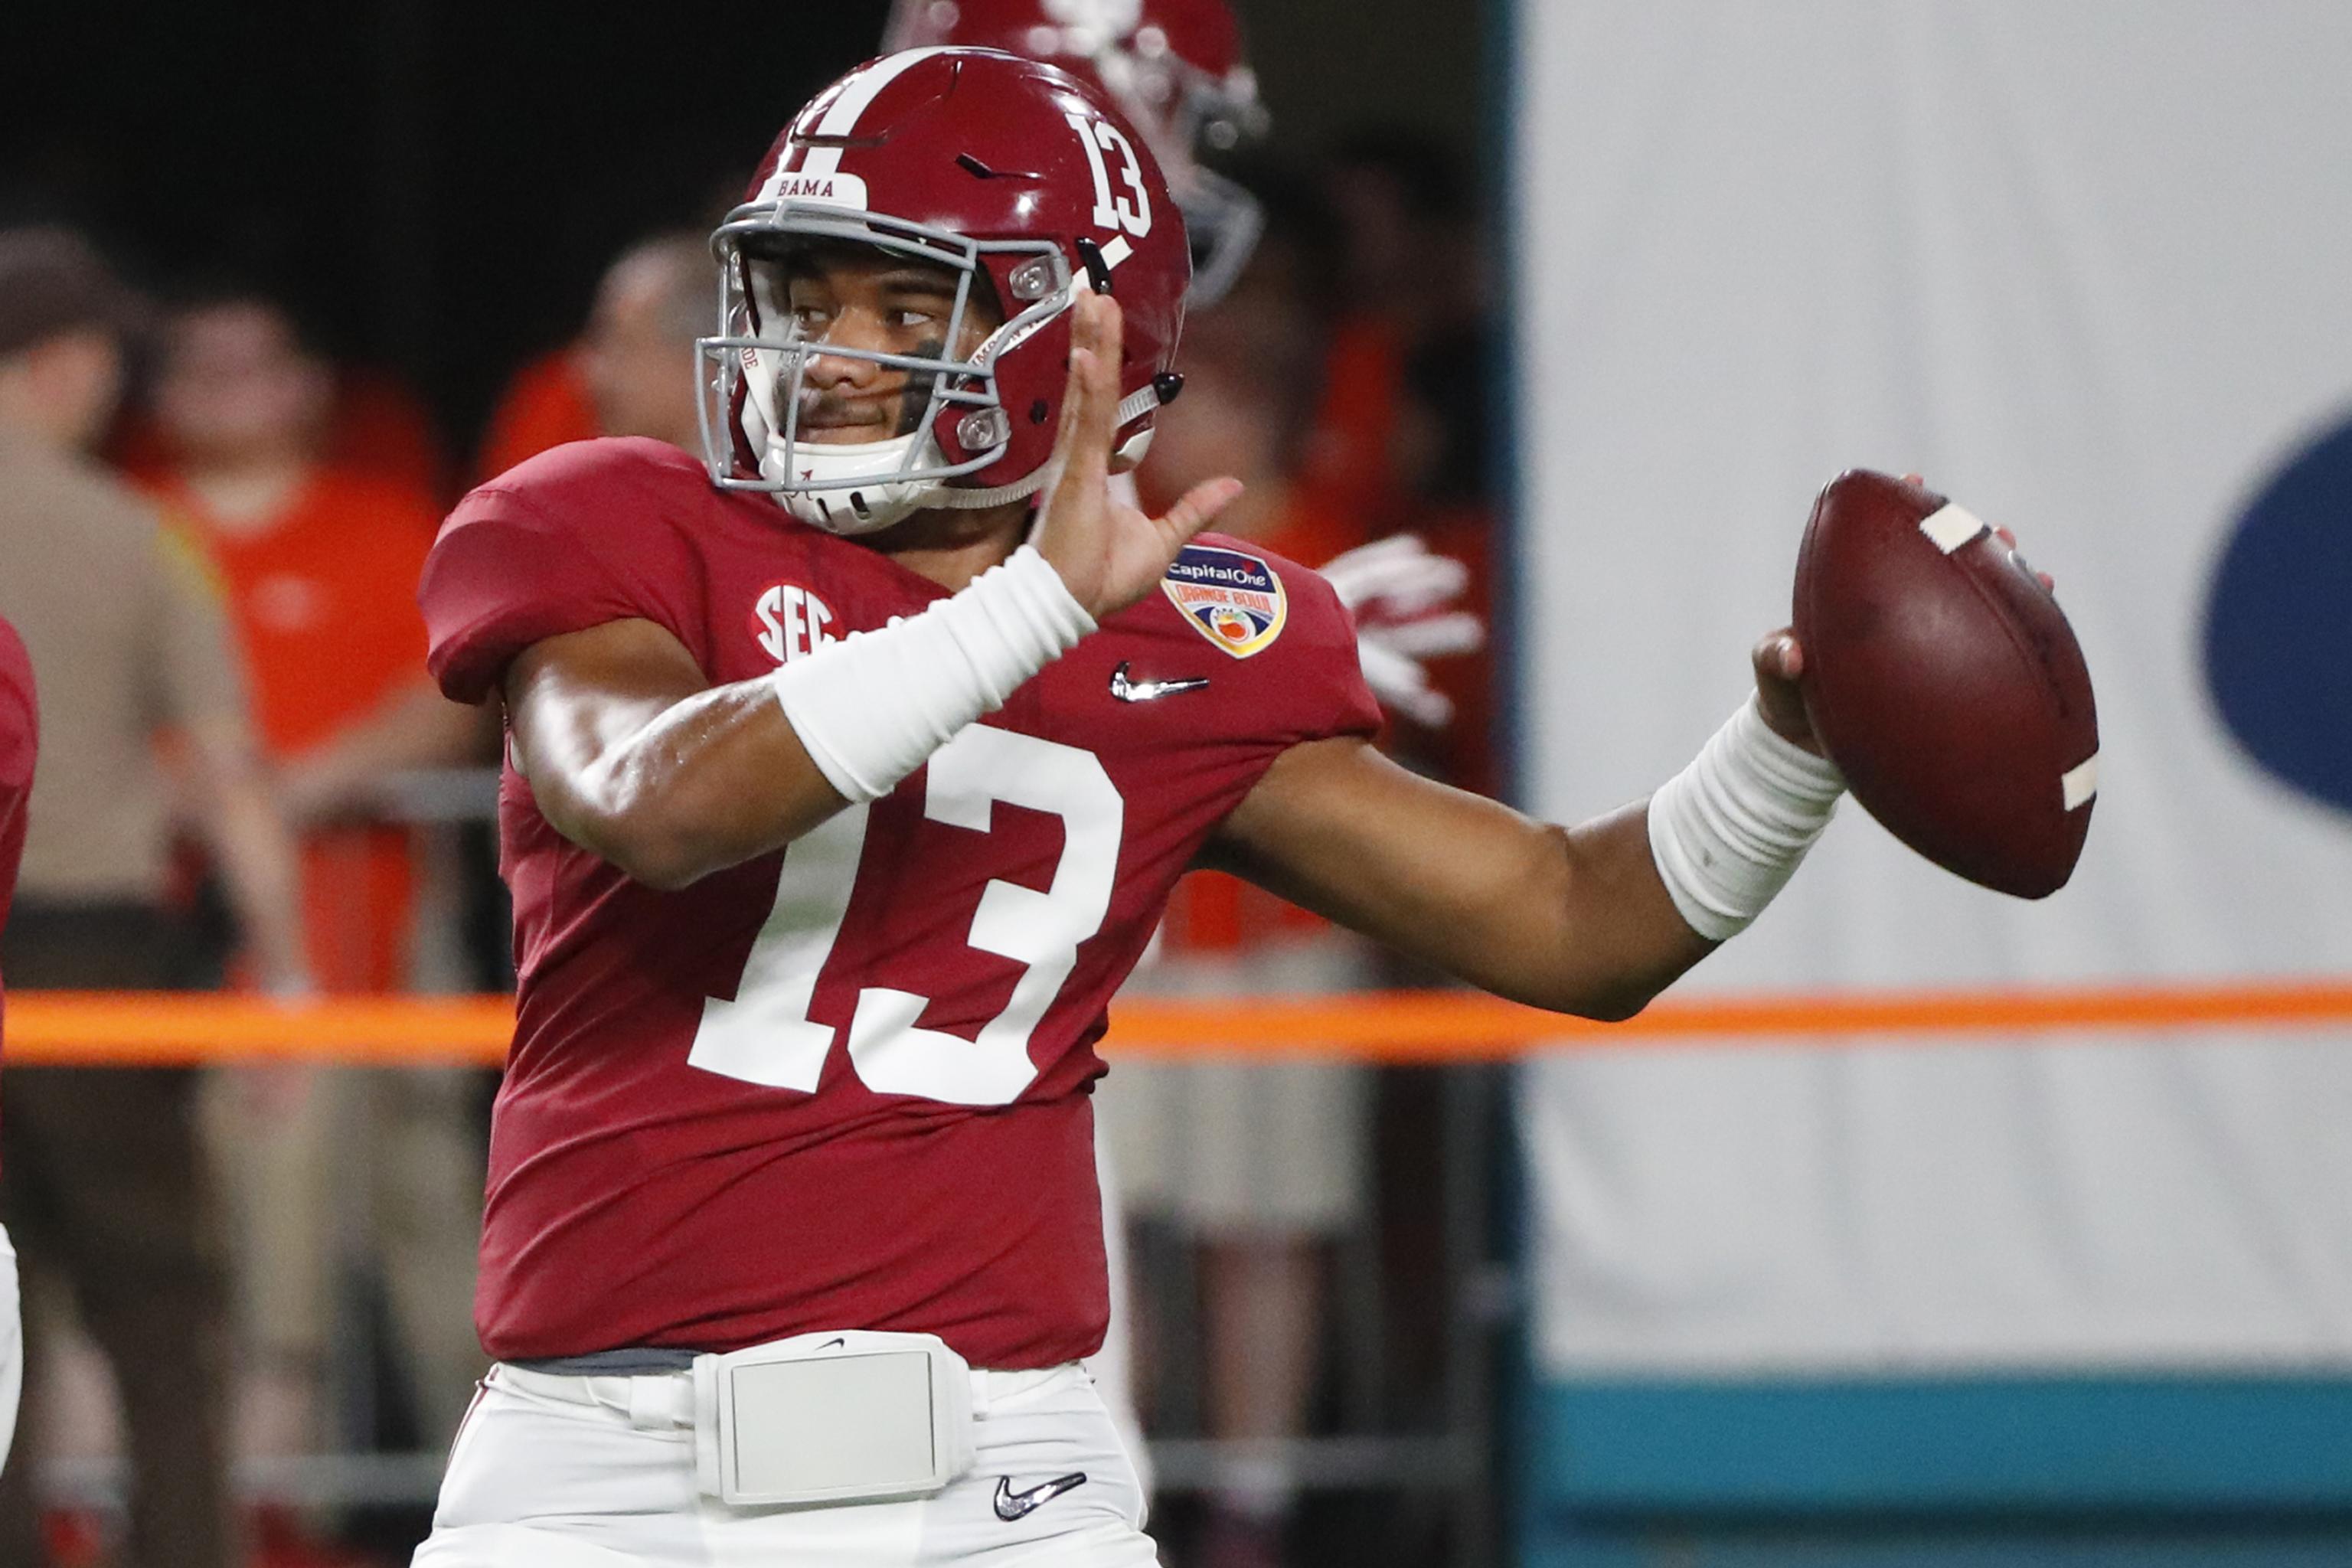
point(1942, 678)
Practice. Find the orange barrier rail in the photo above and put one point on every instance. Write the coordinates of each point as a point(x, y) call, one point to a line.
point(144, 1028)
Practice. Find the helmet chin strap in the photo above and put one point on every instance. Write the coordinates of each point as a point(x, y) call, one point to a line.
point(1143, 400)
point(999, 495)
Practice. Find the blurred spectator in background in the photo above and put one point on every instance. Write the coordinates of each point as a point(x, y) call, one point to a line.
point(632, 373)
point(104, 1183)
point(1262, 1166)
point(319, 562)
point(1406, 430)
point(375, 424)
point(1419, 285)
point(1254, 375)
point(1403, 436)
point(638, 357)
point(1404, 416)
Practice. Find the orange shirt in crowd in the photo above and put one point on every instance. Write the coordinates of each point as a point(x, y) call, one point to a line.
point(545, 404)
point(324, 602)
point(381, 427)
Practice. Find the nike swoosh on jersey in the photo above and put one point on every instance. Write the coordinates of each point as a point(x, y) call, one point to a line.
point(1011, 1505)
point(1127, 690)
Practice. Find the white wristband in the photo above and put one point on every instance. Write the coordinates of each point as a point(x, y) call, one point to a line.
point(871, 707)
point(1726, 832)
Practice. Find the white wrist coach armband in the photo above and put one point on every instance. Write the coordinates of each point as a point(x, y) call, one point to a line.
point(869, 708)
point(1729, 830)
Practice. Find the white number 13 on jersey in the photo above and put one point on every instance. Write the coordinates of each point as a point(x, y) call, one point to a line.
point(765, 1035)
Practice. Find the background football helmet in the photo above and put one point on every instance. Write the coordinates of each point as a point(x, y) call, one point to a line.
point(1022, 181)
point(1173, 67)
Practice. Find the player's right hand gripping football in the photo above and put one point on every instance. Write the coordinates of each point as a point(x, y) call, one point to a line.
point(1109, 555)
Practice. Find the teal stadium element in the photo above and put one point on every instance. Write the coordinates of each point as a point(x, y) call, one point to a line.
point(1998, 1472)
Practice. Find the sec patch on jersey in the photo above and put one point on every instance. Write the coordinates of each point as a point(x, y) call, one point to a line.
point(1232, 598)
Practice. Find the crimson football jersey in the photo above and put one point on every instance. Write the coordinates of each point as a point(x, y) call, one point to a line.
point(845, 1085)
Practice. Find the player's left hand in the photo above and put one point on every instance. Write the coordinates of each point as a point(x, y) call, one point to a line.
point(1108, 555)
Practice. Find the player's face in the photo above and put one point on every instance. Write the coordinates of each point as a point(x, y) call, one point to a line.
point(858, 296)
point(235, 381)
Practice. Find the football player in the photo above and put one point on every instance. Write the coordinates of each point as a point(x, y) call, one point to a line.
point(848, 772)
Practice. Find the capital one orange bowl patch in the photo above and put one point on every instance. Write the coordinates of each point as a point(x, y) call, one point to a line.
point(1233, 599)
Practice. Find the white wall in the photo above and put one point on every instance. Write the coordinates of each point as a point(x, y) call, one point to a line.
point(2087, 265)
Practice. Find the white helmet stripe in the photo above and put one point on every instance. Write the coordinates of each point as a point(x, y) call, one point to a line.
point(841, 118)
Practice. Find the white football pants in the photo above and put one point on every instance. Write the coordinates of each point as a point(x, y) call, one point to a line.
point(558, 1472)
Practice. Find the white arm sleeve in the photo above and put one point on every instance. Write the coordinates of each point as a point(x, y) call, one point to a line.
point(1727, 832)
point(869, 708)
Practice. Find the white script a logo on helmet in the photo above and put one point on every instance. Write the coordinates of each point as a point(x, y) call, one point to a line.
point(790, 622)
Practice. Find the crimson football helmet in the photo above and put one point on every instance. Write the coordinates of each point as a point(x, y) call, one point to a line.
point(1027, 186)
point(1173, 67)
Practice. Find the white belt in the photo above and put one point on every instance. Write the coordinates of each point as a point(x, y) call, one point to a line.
point(853, 1417)
point(664, 1401)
